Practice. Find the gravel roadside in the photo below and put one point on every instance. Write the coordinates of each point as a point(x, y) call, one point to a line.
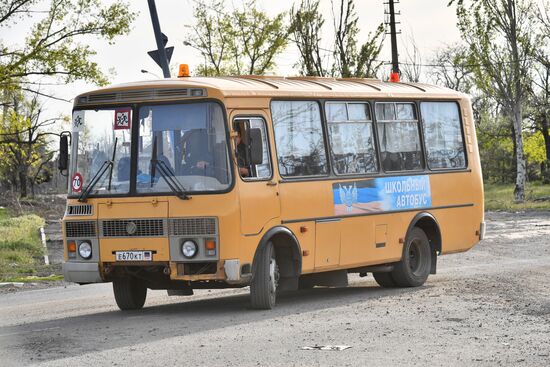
point(489, 306)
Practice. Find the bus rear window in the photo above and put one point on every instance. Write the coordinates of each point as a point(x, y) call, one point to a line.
point(299, 138)
point(443, 135)
point(398, 136)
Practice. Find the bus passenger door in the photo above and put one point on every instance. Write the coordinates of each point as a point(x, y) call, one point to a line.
point(258, 191)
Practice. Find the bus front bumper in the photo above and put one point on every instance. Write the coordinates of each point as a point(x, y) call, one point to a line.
point(82, 272)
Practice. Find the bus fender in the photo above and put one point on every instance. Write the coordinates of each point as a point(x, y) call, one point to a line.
point(289, 255)
point(427, 222)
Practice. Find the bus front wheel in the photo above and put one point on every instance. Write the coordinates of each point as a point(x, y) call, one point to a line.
point(414, 267)
point(263, 288)
point(129, 293)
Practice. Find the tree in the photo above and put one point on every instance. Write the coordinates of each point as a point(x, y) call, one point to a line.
point(540, 102)
point(239, 42)
point(411, 69)
point(348, 62)
point(535, 153)
point(346, 30)
point(450, 68)
point(305, 29)
point(368, 64)
point(502, 41)
point(52, 47)
point(254, 47)
point(211, 37)
point(24, 152)
point(541, 92)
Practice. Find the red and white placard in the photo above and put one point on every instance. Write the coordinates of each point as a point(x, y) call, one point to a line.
point(76, 182)
point(123, 119)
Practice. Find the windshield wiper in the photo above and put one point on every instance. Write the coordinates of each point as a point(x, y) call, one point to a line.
point(173, 183)
point(95, 179)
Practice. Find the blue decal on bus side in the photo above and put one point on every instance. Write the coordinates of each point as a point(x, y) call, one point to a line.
point(382, 194)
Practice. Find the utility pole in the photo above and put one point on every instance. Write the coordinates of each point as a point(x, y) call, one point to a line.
point(394, 74)
point(161, 52)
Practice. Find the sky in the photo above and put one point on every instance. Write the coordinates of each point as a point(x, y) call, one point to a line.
point(430, 22)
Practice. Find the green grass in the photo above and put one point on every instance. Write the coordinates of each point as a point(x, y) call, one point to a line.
point(501, 197)
point(3, 213)
point(21, 250)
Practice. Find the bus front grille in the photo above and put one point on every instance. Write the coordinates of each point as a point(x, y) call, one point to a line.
point(82, 209)
point(133, 228)
point(80, 229)
point(193, 226)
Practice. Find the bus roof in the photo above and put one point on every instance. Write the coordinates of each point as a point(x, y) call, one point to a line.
point(274, 87)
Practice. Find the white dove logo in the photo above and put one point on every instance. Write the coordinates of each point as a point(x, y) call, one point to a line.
point(348, 196)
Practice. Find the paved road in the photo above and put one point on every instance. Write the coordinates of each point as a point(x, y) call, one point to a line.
point(490, 306)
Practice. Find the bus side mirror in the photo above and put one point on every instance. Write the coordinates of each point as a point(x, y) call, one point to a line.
point(63, 163)
point(256, 146)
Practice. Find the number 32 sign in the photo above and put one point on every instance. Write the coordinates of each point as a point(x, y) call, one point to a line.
point(123, 119)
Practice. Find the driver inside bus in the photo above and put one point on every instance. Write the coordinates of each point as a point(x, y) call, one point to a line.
point(242, 161)
point(198, 157)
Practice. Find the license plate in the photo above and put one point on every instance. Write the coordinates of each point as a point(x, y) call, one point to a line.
point(134, 255)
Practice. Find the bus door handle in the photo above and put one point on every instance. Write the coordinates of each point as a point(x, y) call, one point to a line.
point(271, 183)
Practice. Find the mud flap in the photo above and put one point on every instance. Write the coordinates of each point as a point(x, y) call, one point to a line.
point(433, 267)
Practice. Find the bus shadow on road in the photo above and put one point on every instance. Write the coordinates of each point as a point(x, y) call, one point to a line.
point(310, 300)
point(79, 335)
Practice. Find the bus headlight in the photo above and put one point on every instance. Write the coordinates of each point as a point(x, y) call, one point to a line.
point(189, 249)
point(85, 250)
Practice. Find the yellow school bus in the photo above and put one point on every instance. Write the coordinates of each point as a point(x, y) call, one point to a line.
point(269, 182)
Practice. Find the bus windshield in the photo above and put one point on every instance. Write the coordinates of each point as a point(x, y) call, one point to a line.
point(189, 141)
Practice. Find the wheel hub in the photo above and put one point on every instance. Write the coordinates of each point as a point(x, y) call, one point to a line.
point(273, 274)
point(414, 257)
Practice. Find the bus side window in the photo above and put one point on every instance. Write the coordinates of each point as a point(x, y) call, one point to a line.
point(248, 171)
point(398, 136)
point(299, 138)
point(443, 135)
point(351, 137)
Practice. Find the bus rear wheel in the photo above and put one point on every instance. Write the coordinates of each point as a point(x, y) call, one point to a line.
point(263, 288)
point(414, 267)
point(129, 293)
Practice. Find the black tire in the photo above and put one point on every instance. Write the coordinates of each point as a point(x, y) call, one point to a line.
point(414, 267)
point(265, 279)
point(129, 293)
point(384, 280)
